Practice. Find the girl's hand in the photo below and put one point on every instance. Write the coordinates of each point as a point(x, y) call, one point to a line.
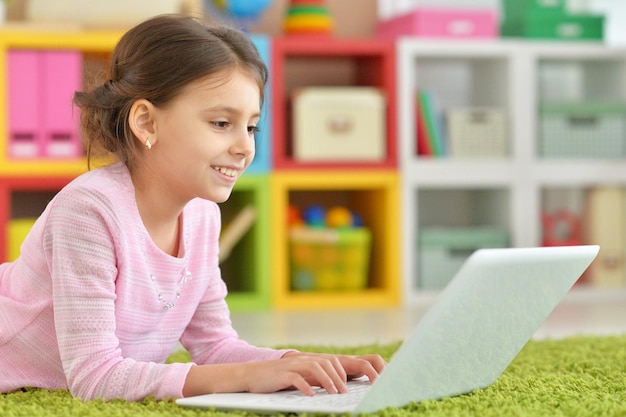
point(306, 370)
point(298, 370)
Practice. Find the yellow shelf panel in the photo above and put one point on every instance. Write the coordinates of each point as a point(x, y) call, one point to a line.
point(91, 41)
point(35, 167)
point(334, 180)
point(370, 298)
point(375, 194)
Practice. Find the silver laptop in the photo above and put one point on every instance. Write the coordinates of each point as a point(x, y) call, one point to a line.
point(478, 325)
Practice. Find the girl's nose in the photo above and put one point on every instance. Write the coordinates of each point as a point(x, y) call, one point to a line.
point(244, 143)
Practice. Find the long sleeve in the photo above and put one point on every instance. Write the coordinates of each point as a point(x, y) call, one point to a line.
point(82, 260)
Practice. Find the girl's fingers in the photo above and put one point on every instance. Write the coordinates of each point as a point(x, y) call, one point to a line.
point(340, 376)
point(337, 373)
point(301, 384)
point(331, 372)
point(377, 362)
point(369, 366)
point(327, 372)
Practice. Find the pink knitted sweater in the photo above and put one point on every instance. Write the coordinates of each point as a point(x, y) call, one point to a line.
point(92, 305)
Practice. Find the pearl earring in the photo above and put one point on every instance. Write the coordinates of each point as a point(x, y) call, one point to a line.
point(148, 144)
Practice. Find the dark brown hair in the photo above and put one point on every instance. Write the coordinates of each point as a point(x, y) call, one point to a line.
point(155, 60)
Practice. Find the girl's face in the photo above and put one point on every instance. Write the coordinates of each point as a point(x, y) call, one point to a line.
point(205, 136)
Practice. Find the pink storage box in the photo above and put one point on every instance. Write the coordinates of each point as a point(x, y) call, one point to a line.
point(24, 110)
point(42, 120)
point(442, 23)
point(62, 75)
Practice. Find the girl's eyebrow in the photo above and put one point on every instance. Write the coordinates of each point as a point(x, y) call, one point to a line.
point(228, 109)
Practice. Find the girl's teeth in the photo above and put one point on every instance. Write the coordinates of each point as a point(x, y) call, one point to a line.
point(226, 171)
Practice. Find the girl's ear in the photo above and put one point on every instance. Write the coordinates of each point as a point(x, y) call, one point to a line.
point(141, 122)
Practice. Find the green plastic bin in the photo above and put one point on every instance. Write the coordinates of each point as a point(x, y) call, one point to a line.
point(572, 27)
point(582, 130)
point(520, 10)
point(442, 251)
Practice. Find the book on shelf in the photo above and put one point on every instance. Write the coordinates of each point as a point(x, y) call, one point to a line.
point(423, 141)
point(431, 138)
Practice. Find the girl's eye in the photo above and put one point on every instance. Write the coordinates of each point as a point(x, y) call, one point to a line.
point(253, 129)
point(220, 124)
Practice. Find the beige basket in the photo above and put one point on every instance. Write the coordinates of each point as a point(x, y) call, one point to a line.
point(476, 132)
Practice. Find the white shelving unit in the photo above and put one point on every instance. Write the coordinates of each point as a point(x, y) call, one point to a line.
point(504, 192)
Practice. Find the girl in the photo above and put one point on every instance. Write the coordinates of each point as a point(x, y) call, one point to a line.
point(123, 263)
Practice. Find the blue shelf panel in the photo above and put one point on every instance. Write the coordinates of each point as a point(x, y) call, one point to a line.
point(262, 161)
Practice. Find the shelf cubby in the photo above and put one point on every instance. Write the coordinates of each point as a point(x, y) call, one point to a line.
point(374, 196)
point(24, 197)
point(299, 62)
point(94, 46)
point(246, 270)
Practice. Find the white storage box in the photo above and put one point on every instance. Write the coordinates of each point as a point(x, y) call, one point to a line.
point(477, 132)
point(339, 124)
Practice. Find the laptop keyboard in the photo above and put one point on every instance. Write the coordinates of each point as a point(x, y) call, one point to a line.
point(357, 390)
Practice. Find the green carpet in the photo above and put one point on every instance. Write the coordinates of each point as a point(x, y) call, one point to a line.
point(578, 376)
